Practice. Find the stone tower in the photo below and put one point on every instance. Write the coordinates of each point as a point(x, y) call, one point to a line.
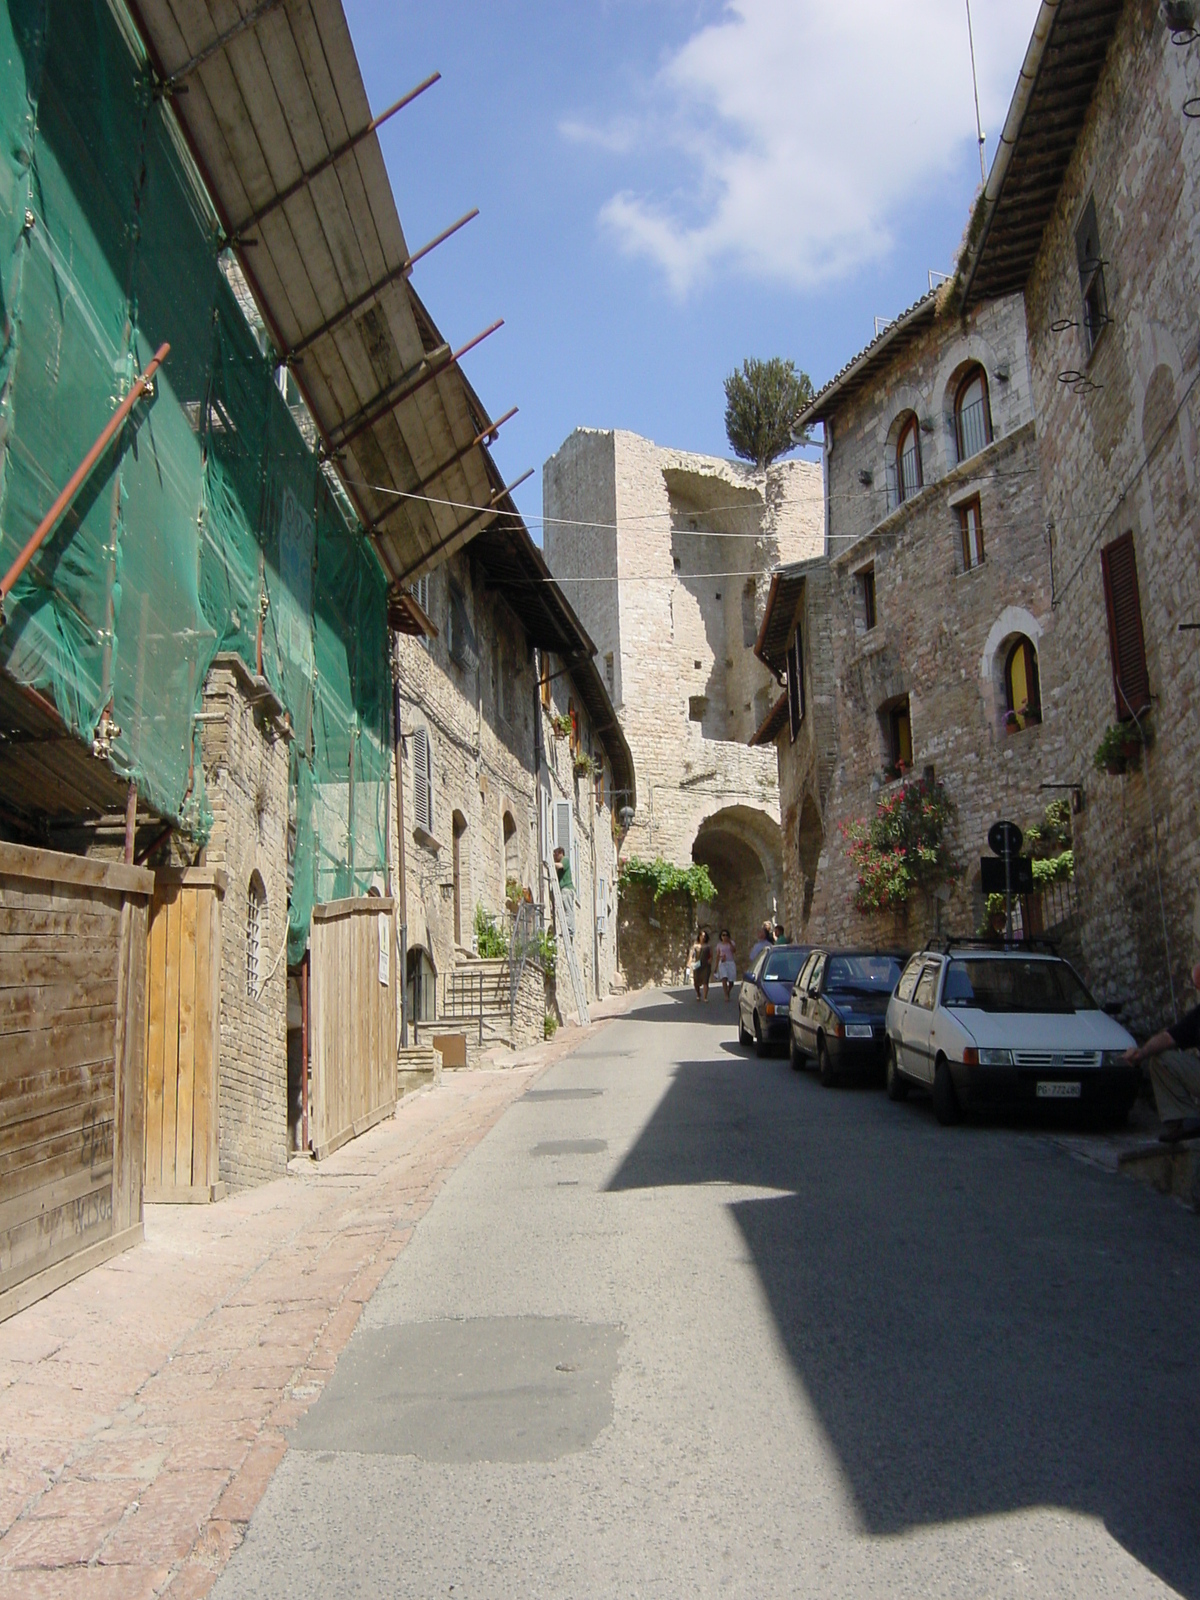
point(666, 558)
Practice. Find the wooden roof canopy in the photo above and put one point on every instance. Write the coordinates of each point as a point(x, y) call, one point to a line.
point(1058, 77)
point(277, 119)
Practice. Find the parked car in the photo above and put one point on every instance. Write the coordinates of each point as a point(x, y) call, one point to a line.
point(1004, 1029)
point(763, 995)
point(837, 1011)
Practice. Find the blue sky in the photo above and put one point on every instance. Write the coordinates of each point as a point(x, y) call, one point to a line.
point(668, 186)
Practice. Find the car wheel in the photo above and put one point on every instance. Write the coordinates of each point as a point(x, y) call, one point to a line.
point(797, 1055)
point(897, 1087)
point(743, 1036)
point(945, 1102)
point(824, 1065)
point(760, 1044)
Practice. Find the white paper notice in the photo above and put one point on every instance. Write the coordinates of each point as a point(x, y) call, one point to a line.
point(385, 949)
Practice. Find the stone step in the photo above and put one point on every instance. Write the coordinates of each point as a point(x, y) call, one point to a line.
point(417, 1065)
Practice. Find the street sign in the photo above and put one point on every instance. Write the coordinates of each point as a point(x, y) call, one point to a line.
point(1017, 869)
point(1005, 838)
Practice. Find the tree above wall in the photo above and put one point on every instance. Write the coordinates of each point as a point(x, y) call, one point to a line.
point(762, 402)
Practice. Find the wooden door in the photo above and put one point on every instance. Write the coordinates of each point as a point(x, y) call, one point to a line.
point(183, 1038)
point(352, 1025)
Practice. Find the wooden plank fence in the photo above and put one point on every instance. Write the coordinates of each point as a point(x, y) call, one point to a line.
point(353, 1020)
point(72, 1042)
point(183, 1035)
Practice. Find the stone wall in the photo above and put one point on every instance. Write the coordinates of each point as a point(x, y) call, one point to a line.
point(683, 582)
point(245, 755)
point(655, 939)
point(941, 637)
point(1118, 455)
point(478, 715)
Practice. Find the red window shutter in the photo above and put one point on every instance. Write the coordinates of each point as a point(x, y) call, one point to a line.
point(1126, 641)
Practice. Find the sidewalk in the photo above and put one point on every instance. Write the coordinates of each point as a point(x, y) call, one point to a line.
point(143, 1406)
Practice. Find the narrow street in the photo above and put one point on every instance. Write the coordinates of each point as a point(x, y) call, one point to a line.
point(686, 1323)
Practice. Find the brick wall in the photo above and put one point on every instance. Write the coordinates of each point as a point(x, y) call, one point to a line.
point(245, 755)
point(1118, 454)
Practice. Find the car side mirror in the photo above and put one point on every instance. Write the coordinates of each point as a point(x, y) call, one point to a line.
point(747, 977)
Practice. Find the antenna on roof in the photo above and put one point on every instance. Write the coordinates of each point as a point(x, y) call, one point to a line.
point(975, 86)
point(881, 323)
point(936, 278)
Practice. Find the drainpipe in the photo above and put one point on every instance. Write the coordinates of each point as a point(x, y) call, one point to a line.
point(401, 865)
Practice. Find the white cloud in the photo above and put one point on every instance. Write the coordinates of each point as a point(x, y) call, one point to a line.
point(807, 127)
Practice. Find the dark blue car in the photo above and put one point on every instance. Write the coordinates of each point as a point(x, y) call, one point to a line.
point(764, 995)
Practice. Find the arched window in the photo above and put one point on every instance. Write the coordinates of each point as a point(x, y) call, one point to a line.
point(512, 865)
point(972, 414)
point(908, 459)
point(1022, 687)
point(256, 922)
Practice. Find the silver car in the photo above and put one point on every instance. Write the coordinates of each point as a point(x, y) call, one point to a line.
point(985, 1029)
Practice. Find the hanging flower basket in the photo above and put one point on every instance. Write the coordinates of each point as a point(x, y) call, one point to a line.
point(1120, 750)
point(584, 766)
point(561, 726)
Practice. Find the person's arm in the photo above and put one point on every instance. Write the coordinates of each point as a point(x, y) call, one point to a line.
point(1154, 1046)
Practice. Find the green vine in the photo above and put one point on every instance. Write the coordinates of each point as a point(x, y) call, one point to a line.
point(545, 950)
point(903, 848)
point(664, 878)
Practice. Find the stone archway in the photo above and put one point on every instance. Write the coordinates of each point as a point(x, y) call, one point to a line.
point(742, 849)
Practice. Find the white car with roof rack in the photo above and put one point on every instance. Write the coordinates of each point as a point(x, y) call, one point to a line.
point(991, 1028)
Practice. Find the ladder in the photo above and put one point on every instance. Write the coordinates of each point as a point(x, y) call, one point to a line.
point(567, 944)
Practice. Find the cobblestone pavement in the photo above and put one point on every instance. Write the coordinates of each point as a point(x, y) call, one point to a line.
point(143, 1406)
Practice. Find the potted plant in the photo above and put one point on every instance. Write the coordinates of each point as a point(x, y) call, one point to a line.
point(1120, 750)
point(584, 765)
point(561, 725)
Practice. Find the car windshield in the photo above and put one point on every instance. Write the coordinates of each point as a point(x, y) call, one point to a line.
point(862, 974)
point(783, 965)
point(1009, 983)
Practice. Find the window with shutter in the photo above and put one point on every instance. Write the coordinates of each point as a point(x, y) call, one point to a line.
point(422, 782)
point(562, 827)
point(1126, 641)
point(795, 685)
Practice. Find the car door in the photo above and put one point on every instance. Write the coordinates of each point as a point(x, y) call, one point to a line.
point(808, 1011)
point(900, 1006)
point(799, 995)
point(748, 993)
point(918, 1024)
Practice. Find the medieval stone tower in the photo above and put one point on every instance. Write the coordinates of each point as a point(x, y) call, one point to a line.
point(666, 557)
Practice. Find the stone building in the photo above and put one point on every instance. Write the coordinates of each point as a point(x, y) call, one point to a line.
point(664, 555)
point(917, 645)
point(1090, 212)
point(488, 787)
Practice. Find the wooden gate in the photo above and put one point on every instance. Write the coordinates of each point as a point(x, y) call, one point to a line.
point(183, 1038)
point(353, 1027)
point(72, 1032)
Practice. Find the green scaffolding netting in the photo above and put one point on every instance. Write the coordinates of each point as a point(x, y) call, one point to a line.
point(209, 512)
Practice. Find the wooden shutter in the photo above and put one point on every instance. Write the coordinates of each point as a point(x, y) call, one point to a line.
point(562, 828)
point(1126, 641)
point(422, 782)
point(795, 685)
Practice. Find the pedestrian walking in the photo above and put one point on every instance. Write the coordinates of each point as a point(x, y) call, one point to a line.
point(726, 961)
point(765, 938)
point(701, 963)
point(1176, 1080)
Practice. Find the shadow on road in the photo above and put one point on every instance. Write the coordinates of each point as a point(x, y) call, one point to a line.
point(982, 1324)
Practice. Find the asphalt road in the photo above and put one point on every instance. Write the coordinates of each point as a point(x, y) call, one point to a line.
point(686, 1323)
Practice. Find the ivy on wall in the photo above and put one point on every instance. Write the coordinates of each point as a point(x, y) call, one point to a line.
point(664, 878)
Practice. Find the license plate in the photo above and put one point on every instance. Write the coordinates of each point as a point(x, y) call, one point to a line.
point(858, 1030)
point(1059, 1091)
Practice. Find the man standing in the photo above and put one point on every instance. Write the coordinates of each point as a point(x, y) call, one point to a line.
point(761, 943)
point(1176, 1081)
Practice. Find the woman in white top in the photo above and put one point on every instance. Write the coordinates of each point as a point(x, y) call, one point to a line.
point(726, 961)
